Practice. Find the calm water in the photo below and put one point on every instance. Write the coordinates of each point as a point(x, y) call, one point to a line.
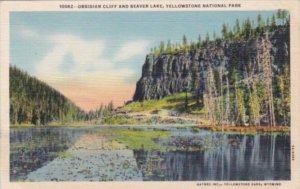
point(192, 155)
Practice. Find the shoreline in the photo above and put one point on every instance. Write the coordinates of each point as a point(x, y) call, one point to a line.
point(247, 129)
point(235, 129)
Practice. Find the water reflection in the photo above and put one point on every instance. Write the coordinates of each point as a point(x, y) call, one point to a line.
point(239, 157)
point(31, 148)
point(189, 156)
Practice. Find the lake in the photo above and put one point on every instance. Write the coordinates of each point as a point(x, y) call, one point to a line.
point(109, 153)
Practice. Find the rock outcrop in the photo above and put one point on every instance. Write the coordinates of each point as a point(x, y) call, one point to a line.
point(166, 74)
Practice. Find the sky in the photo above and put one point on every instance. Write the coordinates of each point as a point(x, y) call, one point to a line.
point(97, 57)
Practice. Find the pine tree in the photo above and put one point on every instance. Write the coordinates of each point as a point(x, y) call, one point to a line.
point(237, 29)
point(155, 51)
point(239, 103)
point(247, 29)
point(260, 23)
point(207, 38)
point(169, 47)
point(225, 31)
point(214, 36)
point(279, 14)
point(284, 15)
point(268, 22)
point(161, 47)
point(273, 22)
point(199, 41)
point(184, 43)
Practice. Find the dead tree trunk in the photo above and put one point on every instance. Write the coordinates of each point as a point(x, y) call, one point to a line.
point(267, 70)
point(211, 92)
point(227, 102)
point(221, 116)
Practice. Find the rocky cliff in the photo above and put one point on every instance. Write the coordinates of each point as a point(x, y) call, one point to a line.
point(165, 74)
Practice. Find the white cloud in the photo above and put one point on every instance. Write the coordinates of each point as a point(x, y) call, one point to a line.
point(87, 56)
point(88, 59)
point(28, 33)
point(131, 49)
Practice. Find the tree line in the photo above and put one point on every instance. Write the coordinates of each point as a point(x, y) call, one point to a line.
point(241, 31)
point(101, 114)
point(34, 102)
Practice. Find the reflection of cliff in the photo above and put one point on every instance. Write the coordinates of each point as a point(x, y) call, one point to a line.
point(252, 157)
point(246, 78)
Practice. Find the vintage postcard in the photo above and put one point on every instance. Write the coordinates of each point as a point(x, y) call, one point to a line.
point(149, 94)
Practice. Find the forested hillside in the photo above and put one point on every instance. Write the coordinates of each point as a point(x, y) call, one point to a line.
point(34, 102)
point(240, 78)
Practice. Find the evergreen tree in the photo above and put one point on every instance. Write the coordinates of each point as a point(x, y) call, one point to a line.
point(247, 29)
point(214, 36)
point(185, 45)
point(225, 31)
point(237, 29)
point(279, 14)
point(199, 41)
point(273, 22)
point(260, 24)
point(207, 38)
point(268, 22)
point(284, 16)
point(169, 47)
point(161, 47)
point(184, 41)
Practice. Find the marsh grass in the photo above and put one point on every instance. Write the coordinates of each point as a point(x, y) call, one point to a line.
point(64, 154)
point(136, 139)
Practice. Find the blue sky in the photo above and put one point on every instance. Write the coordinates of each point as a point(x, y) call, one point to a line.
point(93, 51)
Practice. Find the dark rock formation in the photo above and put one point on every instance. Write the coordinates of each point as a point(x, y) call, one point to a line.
point(165, 74)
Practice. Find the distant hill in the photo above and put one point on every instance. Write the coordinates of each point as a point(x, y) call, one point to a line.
point(34, 102)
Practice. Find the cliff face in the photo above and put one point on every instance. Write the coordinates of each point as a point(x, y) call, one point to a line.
point(165, 74)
